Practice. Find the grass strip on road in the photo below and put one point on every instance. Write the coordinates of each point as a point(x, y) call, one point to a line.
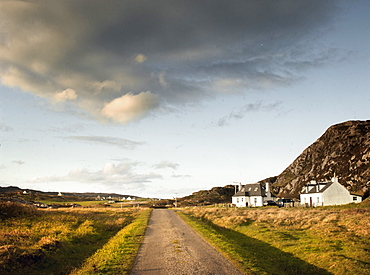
point(119, 254)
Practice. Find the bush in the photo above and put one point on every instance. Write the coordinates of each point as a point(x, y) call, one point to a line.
point(14, 209)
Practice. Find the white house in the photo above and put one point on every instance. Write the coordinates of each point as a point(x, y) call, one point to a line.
point(327, 193)
point(252, 195)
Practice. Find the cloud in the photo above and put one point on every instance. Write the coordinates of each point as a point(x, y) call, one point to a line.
point(68, 94)
point(112, 175)
point(181, 176)
point(129, 107)
point(241, 112)
point(166, 164)
point(140, 58)
point(183, 52)
point(5, 128)
point(120, 142)
point(73, 128)
point(19, 162)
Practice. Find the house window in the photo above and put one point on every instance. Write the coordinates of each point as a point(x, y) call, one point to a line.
point(242, 199)
point(318, 199)
point(354, 198)
point(255, 201)
point(237, 200)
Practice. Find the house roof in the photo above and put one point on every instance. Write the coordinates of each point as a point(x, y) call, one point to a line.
point(248, 190)
point(322, 190)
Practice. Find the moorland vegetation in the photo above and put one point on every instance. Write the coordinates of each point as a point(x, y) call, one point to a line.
point(270, 240)
point(59, 241)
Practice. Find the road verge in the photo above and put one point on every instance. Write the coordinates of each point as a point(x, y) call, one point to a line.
point(118, 255)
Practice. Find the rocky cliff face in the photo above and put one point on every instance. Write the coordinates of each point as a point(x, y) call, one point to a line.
point(343, 150)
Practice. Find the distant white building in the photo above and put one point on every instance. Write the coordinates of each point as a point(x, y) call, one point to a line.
point(252, 195)
point(327, 193)
point(130, 198)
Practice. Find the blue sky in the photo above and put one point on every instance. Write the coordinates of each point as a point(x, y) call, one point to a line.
point(170, 98)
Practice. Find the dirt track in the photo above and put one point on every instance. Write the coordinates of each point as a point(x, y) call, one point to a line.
point(172, 247)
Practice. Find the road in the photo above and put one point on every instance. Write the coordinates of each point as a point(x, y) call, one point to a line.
point(172, 247)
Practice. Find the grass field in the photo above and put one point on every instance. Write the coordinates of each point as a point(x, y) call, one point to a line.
point(58, 241)
point(335, 240)
point(118, 255)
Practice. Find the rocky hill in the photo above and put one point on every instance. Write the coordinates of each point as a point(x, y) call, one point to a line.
point(343, 150)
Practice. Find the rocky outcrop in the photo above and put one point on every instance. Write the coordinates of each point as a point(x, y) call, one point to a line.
point(343, 150)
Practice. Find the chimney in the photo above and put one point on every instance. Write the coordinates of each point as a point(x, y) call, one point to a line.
point(267, 187)
point(240, 186)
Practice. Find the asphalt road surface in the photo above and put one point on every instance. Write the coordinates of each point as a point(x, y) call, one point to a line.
point(172, 247)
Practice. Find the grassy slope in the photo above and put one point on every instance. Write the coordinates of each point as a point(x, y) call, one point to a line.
point(288, 241)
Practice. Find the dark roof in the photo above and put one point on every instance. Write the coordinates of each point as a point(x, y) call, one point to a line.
point(313, 190)
point(255, 189)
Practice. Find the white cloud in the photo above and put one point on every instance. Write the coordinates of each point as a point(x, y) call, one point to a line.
point(140, 58)
point(120, 142)
point(129, 107)
point(112, 175)
point(166, 164)
point(67, 94)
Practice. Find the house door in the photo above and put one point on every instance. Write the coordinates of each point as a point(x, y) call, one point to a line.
point(310, 201)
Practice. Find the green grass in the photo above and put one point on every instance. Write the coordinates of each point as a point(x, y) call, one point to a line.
point(288, 241)
point(118, 255)
point(82, 203)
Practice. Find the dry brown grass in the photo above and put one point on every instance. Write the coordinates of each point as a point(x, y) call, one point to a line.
point(356, 221)
point(51, 237)
point(335, 239)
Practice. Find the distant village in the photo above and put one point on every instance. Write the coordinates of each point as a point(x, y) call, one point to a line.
point(106, 199)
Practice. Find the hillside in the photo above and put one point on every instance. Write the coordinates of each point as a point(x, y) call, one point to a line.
point(343, 150)
point(79, 196)
point(207, 197)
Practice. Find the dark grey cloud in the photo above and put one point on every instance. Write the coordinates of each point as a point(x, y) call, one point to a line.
point(120, 142)
point(122, 60)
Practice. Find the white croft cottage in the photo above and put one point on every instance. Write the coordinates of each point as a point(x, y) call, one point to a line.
point(327, 193)
point(252, 195)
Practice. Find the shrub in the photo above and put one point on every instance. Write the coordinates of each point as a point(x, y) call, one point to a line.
point(14, 209)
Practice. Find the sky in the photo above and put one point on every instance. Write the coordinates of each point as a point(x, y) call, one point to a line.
point(165, 98)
